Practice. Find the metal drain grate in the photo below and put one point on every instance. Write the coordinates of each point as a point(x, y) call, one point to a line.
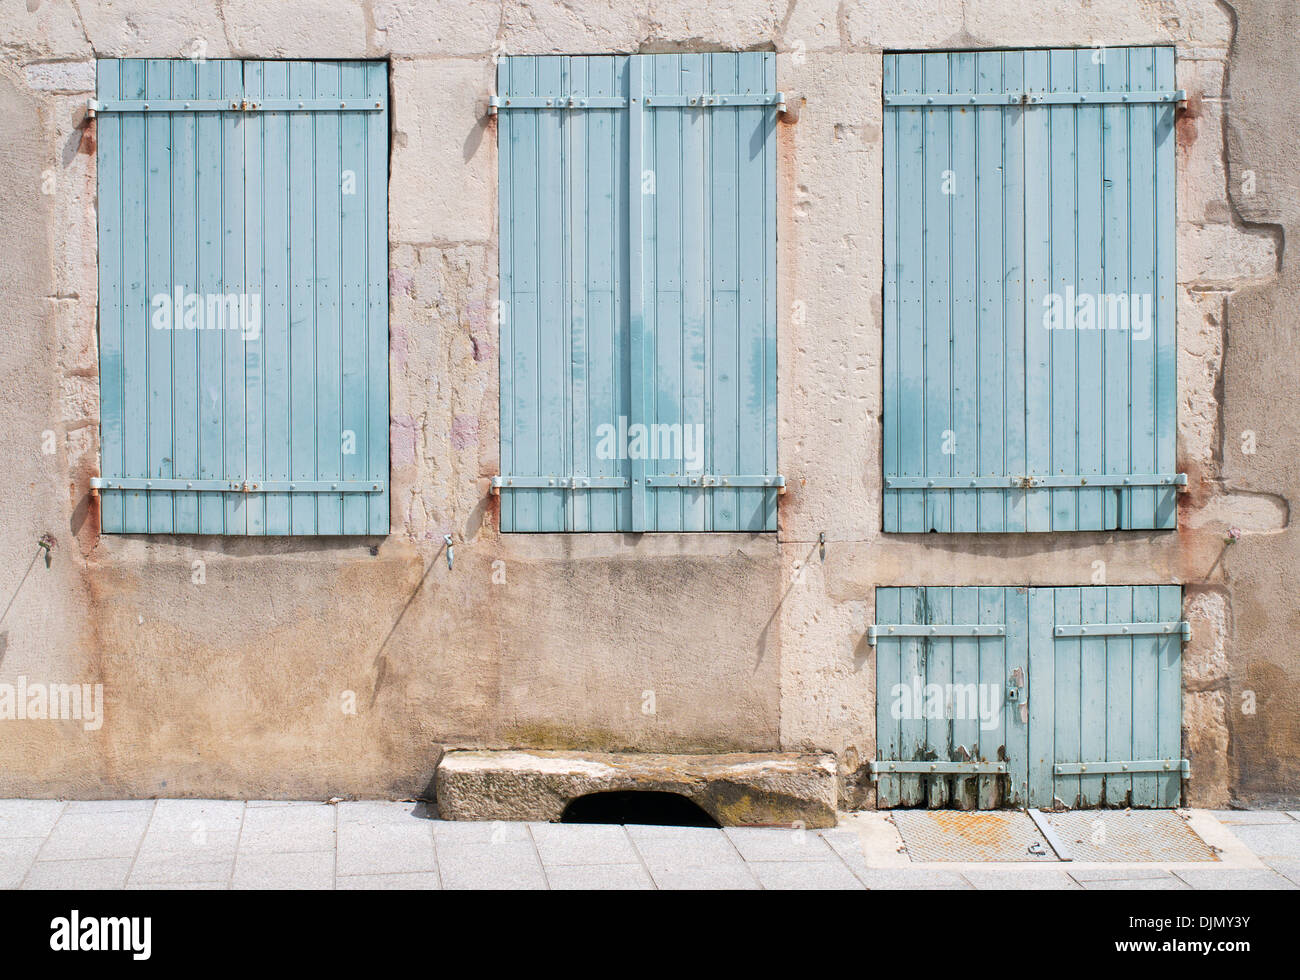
point(985, 835)
point(1128, 835)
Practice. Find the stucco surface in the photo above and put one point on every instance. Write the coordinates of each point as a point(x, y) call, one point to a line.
point(306, 668)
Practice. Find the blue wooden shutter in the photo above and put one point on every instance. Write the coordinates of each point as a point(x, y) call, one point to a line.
point(638, 257)
point(1014, 179)
point(266, 181)
point(1085, 687)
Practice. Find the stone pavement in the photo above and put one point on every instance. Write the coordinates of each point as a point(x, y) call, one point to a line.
point(217, 844)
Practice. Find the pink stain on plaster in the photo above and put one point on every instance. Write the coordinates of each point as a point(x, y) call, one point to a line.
point(398, 342)
point(464, 431)
point(401, 437)
point(399, 282)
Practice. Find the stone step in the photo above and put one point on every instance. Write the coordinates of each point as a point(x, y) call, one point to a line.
point(737, 790)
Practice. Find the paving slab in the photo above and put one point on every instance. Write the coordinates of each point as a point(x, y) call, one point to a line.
point(421, 881)
point(921, 879)
point(386, 848)
point(84, 835)
point(1275, 841)
point(690, 847)
point(505, 864)
point(480, 832)
point(736, 878)
point(174, 867)
point(1169, 883)
point(573, 844)
point(94, 875)
point(17, 855)
point(1118, 872)
point(29, 818)
point(773, 844)
point(287, 830)
point(198, 817)
point(806, 875)
point(603, 877)
point(1252, 816)
point(1237, 878)
point(111, 806)
point(1024, 881)
point(379, 812)
point(300, 870)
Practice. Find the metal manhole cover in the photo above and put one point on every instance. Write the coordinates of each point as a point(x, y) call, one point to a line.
point(1128, 835)
point(971, 835)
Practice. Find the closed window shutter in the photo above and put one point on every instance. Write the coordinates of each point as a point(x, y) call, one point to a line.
point(243, 316)
point(1030, 343)
point(638, 256)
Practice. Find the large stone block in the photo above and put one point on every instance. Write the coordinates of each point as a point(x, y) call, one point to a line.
point(736, 790)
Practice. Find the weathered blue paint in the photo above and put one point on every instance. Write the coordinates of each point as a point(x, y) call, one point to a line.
point(996, 216)
point(638, 261)
point(287, 209)
point(1083, 699)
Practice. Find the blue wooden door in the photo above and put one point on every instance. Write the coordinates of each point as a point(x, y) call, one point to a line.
point(1030, 347)
point(1039, 697)
point(243, 312)
point(638, 292)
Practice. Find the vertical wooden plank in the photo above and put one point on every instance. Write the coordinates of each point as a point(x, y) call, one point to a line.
point(352, 294)
point(1017, 319)
point(1016, 744)
point(754, 506)
point(724, 271)
point(233, 441)
point(664, 268)
point(1067, 720)
point(1092, 695)
point(581, 429)
point(912, 409)
point(1115, 257)
point(326, 261)
point(965, 711)
point(1042, 688)
point(273, 168)
point(161, 283)
point(185, 367)
point(1119, 694)
point(937, 325)
point(641, 337)
point(696, 195)
point(1038, 245)
point(251, 335)
point(993, 675)
point(376, 190)
point(1142, 287)
point(1088, 196)
point(1063, 343)
point(770, 394)
point(302, 304)
point(210, 161)
point(506, 246)
point(1165, 303)
point(912, 609)
point(1169, 700)
point(1146, 691)
point(109, 151)
point(937, 653)
point(891, 409)
point(989, 421)
point(965, 320)
point(526, 238)
point(890, 687)
point(552, 352)
point(136, 301)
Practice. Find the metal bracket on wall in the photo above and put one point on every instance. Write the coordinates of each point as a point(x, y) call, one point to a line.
point(901, 630)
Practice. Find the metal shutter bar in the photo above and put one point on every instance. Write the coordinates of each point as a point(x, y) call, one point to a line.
point(1035, 482)
point(223, 105)
point(1181, 627)
point(238, 486)
point(500, 483)
point(887, 766)
point(1183, 766)
point(654, 482)
point(940, 99)
point(498, 102)
point(887, 632)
